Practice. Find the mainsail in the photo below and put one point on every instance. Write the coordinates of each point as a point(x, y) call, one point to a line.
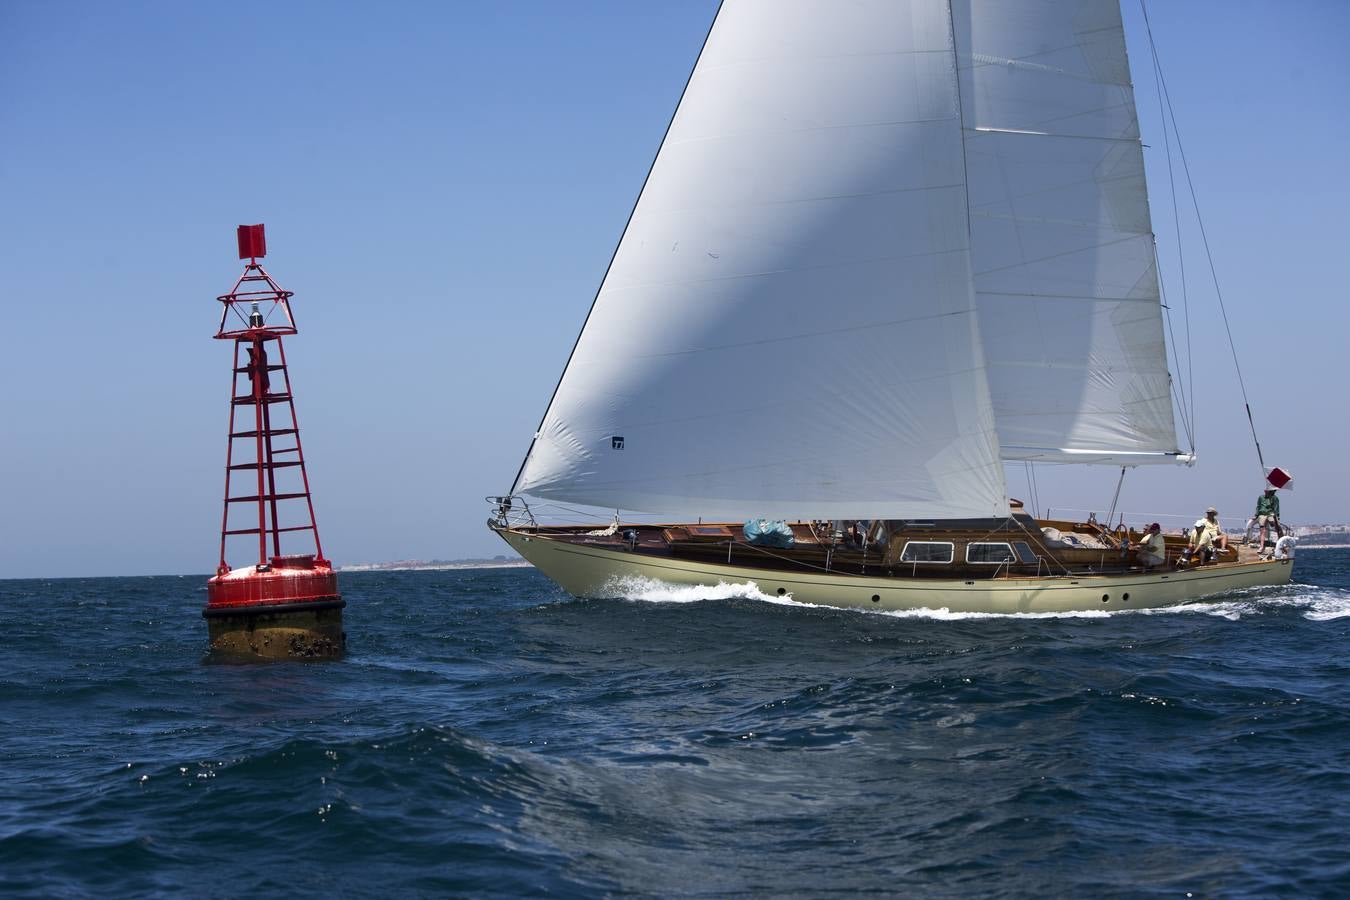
point(788, 325)
point(1064, 265)
point(883, 246)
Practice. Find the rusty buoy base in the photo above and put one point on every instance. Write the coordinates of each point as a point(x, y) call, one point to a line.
point(283, 632)
point(290, 609)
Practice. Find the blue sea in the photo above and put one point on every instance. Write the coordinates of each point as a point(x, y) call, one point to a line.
point(489, 736)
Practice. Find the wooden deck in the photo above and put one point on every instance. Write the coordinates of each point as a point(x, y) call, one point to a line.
point(1011, 549)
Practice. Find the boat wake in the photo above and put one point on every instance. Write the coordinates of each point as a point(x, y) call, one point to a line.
point(1322, 604)
point(1317, 604)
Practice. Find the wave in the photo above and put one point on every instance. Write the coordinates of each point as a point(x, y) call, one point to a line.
point(1325, 605)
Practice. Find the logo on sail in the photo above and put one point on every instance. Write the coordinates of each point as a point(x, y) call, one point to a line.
point(616, 442)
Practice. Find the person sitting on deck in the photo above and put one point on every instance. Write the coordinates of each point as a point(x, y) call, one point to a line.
point(1268, 514)
point(1206, 534)
point(1152, 550)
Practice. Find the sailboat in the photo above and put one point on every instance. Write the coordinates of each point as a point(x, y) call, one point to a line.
point(884, 248)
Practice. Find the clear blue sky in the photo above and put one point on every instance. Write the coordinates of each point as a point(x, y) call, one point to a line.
point(443, 184)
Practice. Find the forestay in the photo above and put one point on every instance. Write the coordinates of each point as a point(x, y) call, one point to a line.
point(1063, 256)
point(787, 328)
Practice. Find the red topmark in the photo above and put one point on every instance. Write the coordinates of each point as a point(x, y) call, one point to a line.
point(252, 242)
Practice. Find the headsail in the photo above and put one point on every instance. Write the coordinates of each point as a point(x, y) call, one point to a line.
point(787, 328)
point(1063, 256)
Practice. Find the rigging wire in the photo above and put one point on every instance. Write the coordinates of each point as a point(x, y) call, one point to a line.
point(1181, 388)
point(1178, 389)
point(1204, 237)
point(1036, 486)
point(1189, 387)
point(1033, 491)
point(1116, 499)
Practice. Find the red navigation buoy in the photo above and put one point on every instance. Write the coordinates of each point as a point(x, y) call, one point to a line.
point(286, 605)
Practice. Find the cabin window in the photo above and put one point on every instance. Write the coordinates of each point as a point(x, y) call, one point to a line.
point(989, 554)
point(1025, 554)
point(941, 552)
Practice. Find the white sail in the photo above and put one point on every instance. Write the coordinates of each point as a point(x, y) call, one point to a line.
point(787, 328)
point(1063, 258)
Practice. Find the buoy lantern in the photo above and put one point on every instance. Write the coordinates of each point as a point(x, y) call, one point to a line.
point(286, 605)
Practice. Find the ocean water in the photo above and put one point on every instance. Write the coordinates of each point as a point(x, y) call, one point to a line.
point(489, 736)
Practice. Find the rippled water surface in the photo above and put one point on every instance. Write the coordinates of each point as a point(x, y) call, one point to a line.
point(488, 735)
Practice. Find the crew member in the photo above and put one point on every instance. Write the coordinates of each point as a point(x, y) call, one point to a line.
point(1152, 549)
point(1268, 514)
point(1206, 536)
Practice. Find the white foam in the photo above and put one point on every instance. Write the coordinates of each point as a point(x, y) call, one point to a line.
point(1324, 605)
point(1320, 605)
point(1231, 610)
point(650, 590)
point(945, 614)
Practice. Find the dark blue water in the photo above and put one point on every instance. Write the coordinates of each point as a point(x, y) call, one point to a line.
point(489, 736)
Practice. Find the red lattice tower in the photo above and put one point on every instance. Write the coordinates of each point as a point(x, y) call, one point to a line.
point(264, 460)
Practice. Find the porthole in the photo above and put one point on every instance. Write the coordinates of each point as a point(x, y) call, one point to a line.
point(782, 591)
point(1125, 596)
point(1105, 597)
point(876, 598)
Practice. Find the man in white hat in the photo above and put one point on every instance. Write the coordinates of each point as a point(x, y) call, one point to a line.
point(1206, 536)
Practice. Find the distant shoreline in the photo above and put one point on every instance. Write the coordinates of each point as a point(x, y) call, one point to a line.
point(438, 567)
point(1301, 547)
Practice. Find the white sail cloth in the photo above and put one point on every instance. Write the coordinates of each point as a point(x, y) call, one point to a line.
point(1063, 259)
point(787, 328)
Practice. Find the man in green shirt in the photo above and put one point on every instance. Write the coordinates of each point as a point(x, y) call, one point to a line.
point(1268, 514)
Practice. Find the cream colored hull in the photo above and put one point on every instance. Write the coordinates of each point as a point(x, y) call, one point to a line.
point(597, 572)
